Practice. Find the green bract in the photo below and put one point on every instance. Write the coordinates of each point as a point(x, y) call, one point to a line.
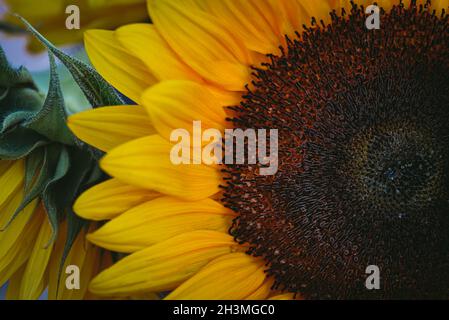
point(33, 127)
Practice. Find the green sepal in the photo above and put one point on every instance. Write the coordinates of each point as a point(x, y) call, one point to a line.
point(97, 91)
point(58, 166)
point(39, 168)
point(72, 172)
point(33, 164)
point(19, 95)
point(51, 119)
point(20, 102)
point(49, 196)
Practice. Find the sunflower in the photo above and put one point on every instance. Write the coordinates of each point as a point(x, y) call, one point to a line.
point(363, 151)
point(50, 18)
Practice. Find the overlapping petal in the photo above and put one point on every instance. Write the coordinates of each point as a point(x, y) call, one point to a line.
point(159, 220)
point(117, 65)
point(163, 266)
point(145, 42)
point(111, 198)
point(202, 43)
point(146, 163)
point(176, 104)
point(108, 127)
point(233, 276)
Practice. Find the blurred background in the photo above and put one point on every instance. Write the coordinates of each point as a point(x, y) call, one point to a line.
point(16, 46)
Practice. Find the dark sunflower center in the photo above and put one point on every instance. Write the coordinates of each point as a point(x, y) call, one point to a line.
point(363, 179)
point(398, 168)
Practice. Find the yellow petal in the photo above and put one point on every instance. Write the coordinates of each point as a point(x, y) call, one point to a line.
point(10, 181)
point(226, 98)
point(320, 10)
point(119, 67)
point(146, 163)
point(248, 21)
point(203, 44)
point(234, 276)
point(15, 282)
point(146, 296)
point(10, 235)
point(263, 292)
point(55, 263)
point(386, 4)
point(83, 255)
point(13, 292)
point(109, 199)
point(285, 296)
point(295, 16)
point(163, 266)
point(176, 104)
point(108, 127)
point(144, 42)
point(5, 165)
point(21, 250)
point(440, 5)
point(30, 287)
point(159, 220)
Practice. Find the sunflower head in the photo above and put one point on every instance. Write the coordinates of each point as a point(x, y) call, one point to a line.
point(364, 158)
point(363, 150)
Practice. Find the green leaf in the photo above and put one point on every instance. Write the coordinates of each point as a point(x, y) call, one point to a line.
point(50, 121)
point(94, 87)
